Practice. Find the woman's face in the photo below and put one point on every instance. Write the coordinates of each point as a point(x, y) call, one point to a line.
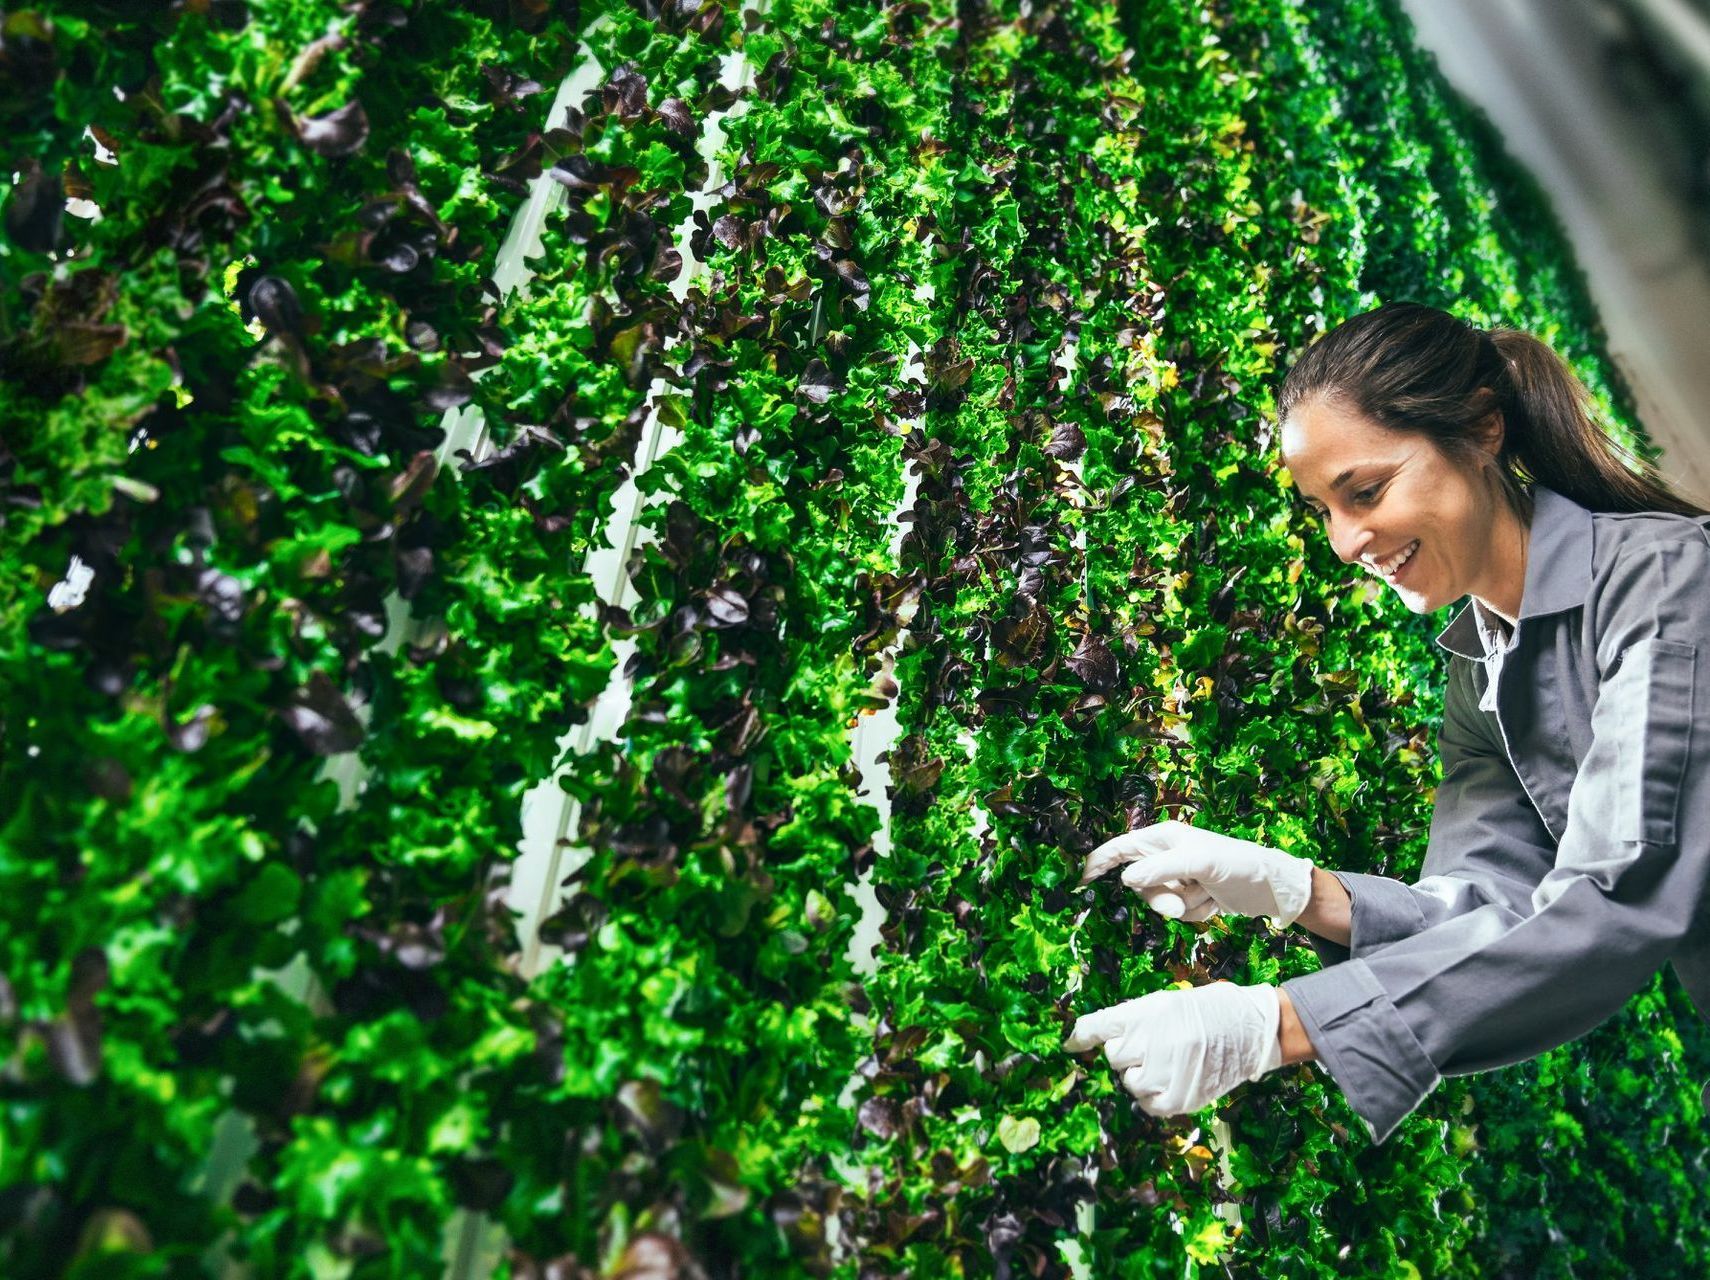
point(1383, 494)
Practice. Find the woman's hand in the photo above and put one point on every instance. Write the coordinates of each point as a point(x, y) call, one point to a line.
point(1178, 1051)
point(1188, 873)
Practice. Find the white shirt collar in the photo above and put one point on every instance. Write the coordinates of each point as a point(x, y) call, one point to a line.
point(1494, 633)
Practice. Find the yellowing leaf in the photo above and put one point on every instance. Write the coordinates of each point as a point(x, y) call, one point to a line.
point(1210, 1241)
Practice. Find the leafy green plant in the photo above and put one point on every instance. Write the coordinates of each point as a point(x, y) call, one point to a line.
point(284, 641)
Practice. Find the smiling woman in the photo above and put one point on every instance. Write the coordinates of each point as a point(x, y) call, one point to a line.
point(1406, 510)
point(1415, 436)
point(1568, 859)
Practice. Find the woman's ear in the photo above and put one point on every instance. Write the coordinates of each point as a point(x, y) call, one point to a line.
point(1490, 433)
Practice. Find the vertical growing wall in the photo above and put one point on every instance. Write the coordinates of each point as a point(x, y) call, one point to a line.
point(301, 506)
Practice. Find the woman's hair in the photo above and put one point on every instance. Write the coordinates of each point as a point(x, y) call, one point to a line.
point(1410, 367)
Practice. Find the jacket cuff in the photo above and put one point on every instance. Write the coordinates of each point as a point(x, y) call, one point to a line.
point(1382, 911)
point(1361, 1040)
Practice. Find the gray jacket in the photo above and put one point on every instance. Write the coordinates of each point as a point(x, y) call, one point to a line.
point(1569, 852)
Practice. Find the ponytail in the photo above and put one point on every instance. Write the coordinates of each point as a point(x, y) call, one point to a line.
point(1552, 438)
point(1410, 367)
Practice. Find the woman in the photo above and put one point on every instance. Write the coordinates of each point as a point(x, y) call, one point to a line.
point(1569, 850)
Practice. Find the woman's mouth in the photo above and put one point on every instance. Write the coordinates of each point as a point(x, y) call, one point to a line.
point(1395, 568)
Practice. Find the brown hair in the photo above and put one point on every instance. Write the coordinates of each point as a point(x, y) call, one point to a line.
point(1409, 367)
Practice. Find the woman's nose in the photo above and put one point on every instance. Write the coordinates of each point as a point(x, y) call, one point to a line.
point(1350, 541)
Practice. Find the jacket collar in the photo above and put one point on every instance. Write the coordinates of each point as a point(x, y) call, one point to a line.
point(1558, 569)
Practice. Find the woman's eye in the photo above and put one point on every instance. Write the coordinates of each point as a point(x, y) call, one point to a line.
point(1366, 495)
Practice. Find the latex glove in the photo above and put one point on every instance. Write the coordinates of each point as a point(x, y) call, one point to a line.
point(1179, 1051)
point(1188, 873)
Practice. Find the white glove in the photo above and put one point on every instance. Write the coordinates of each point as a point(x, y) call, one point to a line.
point(1188, 873)
point(1181, 1050)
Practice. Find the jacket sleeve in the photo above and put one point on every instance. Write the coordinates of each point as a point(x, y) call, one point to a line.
point(1486, 987)
point(1487, 847)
